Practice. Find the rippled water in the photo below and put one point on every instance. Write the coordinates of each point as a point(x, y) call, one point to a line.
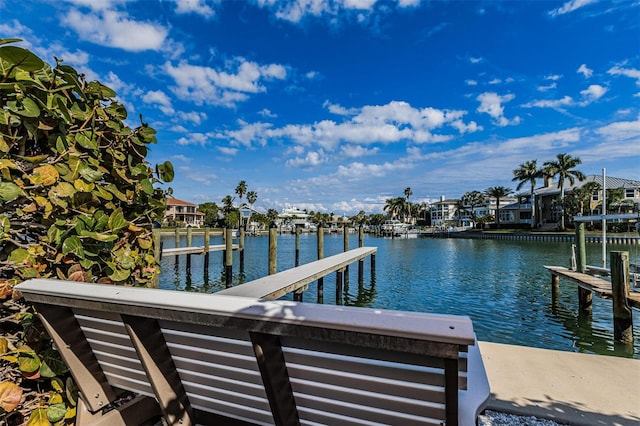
point(501, 285)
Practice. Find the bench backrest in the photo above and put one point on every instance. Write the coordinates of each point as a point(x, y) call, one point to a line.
point(258, 361)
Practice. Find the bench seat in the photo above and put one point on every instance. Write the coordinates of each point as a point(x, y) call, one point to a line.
point(214, 359)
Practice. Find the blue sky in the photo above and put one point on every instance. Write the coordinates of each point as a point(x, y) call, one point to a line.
point(337, 105)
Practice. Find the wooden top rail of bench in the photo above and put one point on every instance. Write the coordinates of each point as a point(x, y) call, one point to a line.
point(277, 285)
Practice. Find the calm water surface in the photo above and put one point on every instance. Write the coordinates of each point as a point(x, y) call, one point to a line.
point(501, 285)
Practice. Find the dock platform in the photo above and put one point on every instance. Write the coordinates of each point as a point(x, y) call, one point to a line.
point(598, 285)
point(281, 283)
point(195, 250)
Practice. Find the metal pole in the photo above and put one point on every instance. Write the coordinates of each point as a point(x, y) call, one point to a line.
point(604, 221)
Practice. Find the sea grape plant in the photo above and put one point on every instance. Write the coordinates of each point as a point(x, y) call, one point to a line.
point(78, 203)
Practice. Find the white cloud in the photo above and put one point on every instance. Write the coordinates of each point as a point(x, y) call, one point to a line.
point(390, 123)
point(546, 103)
point(495, 81)
point(227, 150)
point(627, 72)
point(226, 88)
point(194, 117)
point(570, 6)
point(194, 139)
point(267, 113)
point(593, 93)
point(553, 77)
point(547, 87)
point(160, 99)
point(339, 109)
point(313, 158)
point(312, 75)
point(475, 60)
point(198, 7)
point(471, 82)
point(357, 151)
point(180, 157)
point(491, 103)
point(115, 29)
point(622, 130)
point(585, 71)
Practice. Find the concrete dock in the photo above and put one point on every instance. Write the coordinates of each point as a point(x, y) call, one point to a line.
point(568, 387)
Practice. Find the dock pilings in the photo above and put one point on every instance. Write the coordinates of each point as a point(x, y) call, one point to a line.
point(622, 318)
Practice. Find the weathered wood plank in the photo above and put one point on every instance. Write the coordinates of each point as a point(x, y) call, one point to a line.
point(600, 286)
point(277, 285)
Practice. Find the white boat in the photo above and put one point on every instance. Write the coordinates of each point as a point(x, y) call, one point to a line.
point(393, 227)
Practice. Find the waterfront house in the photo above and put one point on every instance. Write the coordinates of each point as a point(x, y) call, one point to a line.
point(549, 209)
point(444, 212)
point(183, 211)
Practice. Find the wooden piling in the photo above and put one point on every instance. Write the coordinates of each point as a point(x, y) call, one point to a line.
point(555, 287)
point(228, 257)
point(177, 244)
point(320, 233)
point(273, 248)
point(622, 317)
point(585, 299)
point(361, 261)
point(345, 232)
point(207, 239)
point(581, 252)
point(241, 246)
point(339, 279)
point(189, 239)
point(297, 255)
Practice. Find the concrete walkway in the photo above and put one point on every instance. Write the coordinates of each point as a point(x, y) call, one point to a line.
point(572, 388)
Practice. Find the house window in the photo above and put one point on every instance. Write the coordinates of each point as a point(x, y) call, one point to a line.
point(525, 215)
point(629, 193)
point(596, 195)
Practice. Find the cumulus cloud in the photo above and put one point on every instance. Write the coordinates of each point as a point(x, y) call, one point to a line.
point(471, 82)
point(160, 99)
point(389, 123)
point(115, 29)
point(547, 87)
point(357, 151)
point(313, 158)
point(199, 7)
point(570, 6)
point(265, 112)
point(593, 93)
point(585, 71)
point(627, 72)
point(194, 139)
point(206, 85)
point(491, 103)
point(621, 130)
point(227, 150)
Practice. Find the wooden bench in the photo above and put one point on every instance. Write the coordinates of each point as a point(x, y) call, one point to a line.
point(212, 359)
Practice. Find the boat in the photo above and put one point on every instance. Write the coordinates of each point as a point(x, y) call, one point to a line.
point(393, 227)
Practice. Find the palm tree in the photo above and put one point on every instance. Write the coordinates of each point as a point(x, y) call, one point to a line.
point(564, 168)
point(394, 206)
point(252, 197)
point(407, 194)
point(473, 199)
point(528, 172)
point(241, 189)
point(498, 192)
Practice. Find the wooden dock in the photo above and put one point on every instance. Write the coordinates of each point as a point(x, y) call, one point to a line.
point(598, 285)
point(196, 250)
point(294, 279)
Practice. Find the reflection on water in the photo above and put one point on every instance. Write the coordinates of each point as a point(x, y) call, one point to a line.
point(501, 285)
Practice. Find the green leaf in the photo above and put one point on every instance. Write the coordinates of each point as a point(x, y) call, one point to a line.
point(85, 141)
point(90, 175)
point(117, 274)
point(117, 221)
point(18, 256)
point(9, 40)
point(26, 108)
point(165, 171)
point(21, 58)
point(9, 191)
point(56, 412)
point(105, 238)
point(5, 226)
point(28, 361)
point(73, 245)
point(147, 187)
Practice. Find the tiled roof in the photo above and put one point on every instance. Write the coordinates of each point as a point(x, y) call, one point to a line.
point(175, 202)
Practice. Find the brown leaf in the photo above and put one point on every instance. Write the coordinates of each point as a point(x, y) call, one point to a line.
point(79, 276)
point(10, 396)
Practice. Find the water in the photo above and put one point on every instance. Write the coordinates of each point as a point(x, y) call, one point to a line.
point(501, 285)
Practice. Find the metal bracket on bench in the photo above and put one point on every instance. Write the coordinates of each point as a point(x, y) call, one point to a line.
point(156, 360)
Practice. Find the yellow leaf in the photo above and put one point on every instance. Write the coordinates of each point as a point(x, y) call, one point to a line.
point(10, 396)
point(4, 345)
point(55, 398)
point(46, 175)
point(38, 418)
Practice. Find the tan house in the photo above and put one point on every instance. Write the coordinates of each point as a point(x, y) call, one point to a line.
point(183, 211)
point(549, 210)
